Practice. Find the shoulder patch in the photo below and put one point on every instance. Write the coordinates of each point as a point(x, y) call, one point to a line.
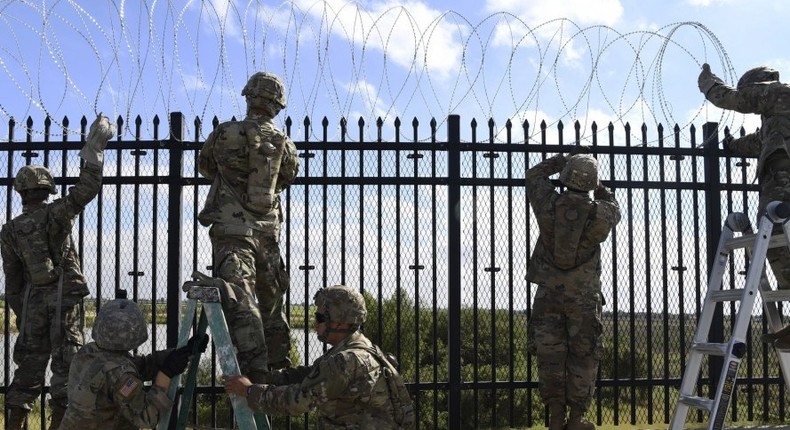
point(129, 387)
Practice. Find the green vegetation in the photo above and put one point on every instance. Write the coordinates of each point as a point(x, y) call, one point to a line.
point(494, 341)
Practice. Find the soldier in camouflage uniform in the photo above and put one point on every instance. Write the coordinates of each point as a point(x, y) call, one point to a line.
point(565, 327)
point(759, 91)
point(44, 285)
point(106, 389)
point(353, 386)
point(249, 163)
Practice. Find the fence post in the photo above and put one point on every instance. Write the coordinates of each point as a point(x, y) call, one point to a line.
point(713, 226)
point(174, 224)
point(454, 269)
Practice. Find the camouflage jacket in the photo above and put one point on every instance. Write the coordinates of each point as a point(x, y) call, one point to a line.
point(37, 244)
point(772, 102)
point(572, 227)
point(242, 158)
point(346, 387)
point(106, 391)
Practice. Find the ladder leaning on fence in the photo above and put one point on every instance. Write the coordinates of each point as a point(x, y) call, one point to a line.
point(755, 246)
point(211, 317)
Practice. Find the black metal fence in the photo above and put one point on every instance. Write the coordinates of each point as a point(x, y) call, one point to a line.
point(437, 232)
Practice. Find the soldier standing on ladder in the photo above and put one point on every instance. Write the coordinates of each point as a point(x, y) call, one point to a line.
point(249, 163)
point(759, 91)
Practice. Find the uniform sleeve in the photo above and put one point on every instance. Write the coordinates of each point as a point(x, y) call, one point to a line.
point(607, 214)
point(13, 269)
point(327, 381)
point(748, 145)
point(290, 375)
point(753, 99)
point(289, 167)
point(143, 407)
point(539, 188)
point(64, 210)
point(207, 166)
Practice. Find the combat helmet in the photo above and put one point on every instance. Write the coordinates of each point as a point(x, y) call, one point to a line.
point(120, 326)
point(266, 85)
point(757, 75)
point(344, 304)
point(580, 173)
point(34, 177)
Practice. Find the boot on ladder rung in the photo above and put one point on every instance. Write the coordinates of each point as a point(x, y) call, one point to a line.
point(756, 247)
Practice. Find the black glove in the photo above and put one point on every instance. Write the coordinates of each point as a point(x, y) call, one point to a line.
point(177, 361)
point(201, 341)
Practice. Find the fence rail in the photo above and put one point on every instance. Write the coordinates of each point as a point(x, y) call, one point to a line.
point(437, 233)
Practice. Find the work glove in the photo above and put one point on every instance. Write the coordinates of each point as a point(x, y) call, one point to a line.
point(177, 361)
point(101, 131)
point(707, 79)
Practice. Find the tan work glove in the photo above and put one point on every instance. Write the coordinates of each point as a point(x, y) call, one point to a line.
point(101, 131)
point(707, 79)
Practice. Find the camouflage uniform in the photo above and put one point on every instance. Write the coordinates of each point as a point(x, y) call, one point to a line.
point(770, 98)
point(106, 389)
point(249, 163)
point(346, 387)
point(353, 386)
point(565, 327)
point(44, 285)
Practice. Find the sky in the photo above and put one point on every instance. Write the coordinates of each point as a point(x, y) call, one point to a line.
point(526, 60)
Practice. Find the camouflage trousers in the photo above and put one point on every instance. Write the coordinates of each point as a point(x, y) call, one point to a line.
point(43, 335)
point(564, 333)
point(775, 185)
point(252, 264)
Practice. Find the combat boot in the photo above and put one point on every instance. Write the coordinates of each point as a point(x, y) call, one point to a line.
point(16, 418)
point(556, 416)
point(575, 421)
point(56, 416)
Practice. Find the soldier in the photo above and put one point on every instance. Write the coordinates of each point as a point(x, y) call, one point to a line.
point(565, 327)
point(44, 282)
point(353, 385)
point(760, 92)
point(106, 387)
point(249, 163)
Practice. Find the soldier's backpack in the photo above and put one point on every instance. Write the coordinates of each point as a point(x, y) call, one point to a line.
point(399, 395)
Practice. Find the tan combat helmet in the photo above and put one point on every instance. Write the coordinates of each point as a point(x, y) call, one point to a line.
point(344, 304)
point(34, 177)
point(120, 326)
point(758, 75)
point(266, 85)
point(580, 173)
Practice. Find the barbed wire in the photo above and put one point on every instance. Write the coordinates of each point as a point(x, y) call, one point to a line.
point(64, 59)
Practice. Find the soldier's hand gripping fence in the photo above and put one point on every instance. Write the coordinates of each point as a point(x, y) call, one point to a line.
point(205, 291)
point(756, 247)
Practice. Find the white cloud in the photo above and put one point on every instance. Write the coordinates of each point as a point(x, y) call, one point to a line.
point(585, 12)
point(706, 3)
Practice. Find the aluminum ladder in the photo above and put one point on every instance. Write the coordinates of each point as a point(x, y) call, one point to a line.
point(756, 246)
point(211, 317)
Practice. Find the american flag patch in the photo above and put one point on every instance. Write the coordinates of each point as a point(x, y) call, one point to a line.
point(129, 387)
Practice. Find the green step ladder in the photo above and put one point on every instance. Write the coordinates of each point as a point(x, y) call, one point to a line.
point(211, 317)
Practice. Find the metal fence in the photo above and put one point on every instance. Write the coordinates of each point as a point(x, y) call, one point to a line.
point(437, 232)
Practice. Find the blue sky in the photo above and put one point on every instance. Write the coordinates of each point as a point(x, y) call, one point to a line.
point(586, 60)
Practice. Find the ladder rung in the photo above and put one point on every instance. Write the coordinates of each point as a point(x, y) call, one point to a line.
point(730, 295)
point(748, 240)
point(697, 402)
point(719, 349)
point(775, 295)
